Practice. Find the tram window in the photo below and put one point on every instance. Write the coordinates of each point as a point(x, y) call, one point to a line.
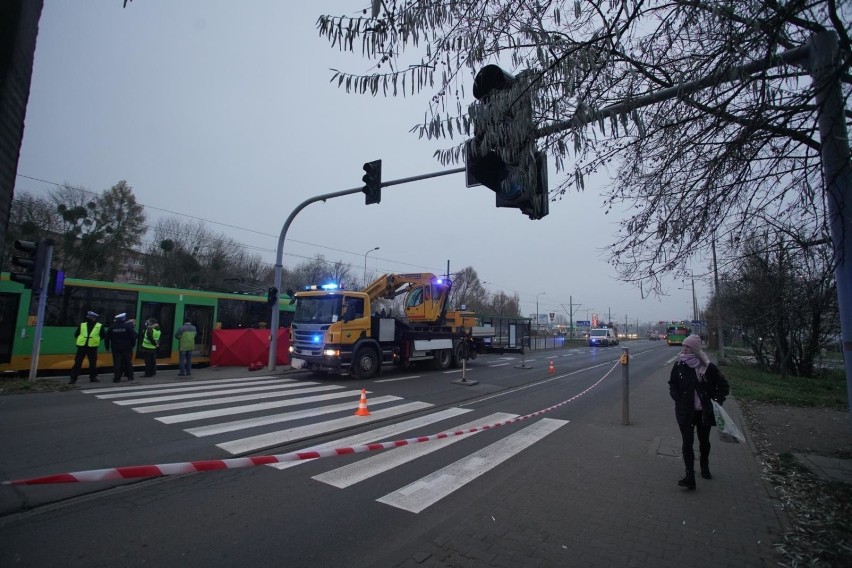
point(70, 308)
point(239, 314)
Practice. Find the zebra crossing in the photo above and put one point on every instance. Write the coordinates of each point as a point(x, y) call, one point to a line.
point(244, 415)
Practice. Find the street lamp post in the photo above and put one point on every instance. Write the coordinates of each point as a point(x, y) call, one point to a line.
point(694, 303)
point(365, 264)
point(537, 318)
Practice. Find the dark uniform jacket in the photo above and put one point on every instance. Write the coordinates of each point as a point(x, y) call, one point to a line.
point(120, 336)
point(683, 383)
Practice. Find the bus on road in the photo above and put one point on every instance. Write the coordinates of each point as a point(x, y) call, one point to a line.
point(676, 332)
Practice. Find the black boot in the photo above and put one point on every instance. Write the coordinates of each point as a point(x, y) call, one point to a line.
point(688, 481)
point(705, 468)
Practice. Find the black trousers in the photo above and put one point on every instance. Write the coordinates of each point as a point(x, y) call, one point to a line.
point(85, 352)
point(122, 363)
point(687, 433)
point(150, 358)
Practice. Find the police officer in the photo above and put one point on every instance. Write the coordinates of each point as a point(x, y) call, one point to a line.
point(87, 337)
point(150, 343)
point(121, 338)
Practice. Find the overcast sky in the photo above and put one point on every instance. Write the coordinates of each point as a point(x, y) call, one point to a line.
point(223, 111)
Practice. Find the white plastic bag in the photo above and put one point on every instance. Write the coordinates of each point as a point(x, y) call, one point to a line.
point(728, 431)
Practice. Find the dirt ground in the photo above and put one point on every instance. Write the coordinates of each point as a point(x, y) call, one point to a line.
point(818, 431)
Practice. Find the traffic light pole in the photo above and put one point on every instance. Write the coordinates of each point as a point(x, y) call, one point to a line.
point(279, 254)
point(42, 303)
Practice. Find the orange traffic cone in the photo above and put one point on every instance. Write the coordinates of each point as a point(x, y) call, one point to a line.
point(551, 368)
point(362, 405)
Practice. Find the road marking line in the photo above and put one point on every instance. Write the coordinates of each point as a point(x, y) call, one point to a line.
point(271, 439)
point(235, 425)
point(356, 472)
point(390, 431)
point(187, 396)
point(231, 410)
point(231, 399)
point(167, 386)
point(399, 379)
point(428, 490)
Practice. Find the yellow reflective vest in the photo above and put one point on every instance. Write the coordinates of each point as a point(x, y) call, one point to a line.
point(153, 341)
point(86, 340)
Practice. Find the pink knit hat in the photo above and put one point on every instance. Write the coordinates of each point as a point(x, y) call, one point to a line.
point(693, 341)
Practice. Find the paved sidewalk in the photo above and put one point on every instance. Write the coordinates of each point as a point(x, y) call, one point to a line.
point(612, 499)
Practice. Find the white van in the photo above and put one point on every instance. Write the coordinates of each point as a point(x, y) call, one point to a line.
point(602, 336)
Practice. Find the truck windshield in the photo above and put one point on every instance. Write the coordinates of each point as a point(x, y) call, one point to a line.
point(598, 333)
point(324, 309)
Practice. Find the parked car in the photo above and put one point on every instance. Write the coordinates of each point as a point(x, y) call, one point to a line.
point(654, 336)
point(602, 336)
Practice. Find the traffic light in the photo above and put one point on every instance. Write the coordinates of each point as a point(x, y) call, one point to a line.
point(272, 296)
point(32, 261)
point(56, 286)
point(502, 154)
point(540, 199)
point(373, 182)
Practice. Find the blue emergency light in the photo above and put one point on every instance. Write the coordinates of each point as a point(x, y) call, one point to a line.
point(329, 286)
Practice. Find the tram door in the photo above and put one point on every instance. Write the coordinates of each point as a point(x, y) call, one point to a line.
point(202, 318)
point(8, 320)
point(165, 315)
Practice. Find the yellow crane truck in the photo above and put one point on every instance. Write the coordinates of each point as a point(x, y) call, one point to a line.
point(343, 331)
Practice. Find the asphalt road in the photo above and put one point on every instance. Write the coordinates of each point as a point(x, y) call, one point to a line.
point(355, 510)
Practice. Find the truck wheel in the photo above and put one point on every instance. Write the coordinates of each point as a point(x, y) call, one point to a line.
point(443, 359)
point(459, 354)
point(365, 365)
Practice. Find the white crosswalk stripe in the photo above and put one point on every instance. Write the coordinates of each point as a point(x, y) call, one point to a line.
point(187, 396)
point(270, 439)
point(246, 408)
point(221, 428)
point(424, 492)
point(374, 465)
point(312, 409)
point(243, 398)
point(385, 433)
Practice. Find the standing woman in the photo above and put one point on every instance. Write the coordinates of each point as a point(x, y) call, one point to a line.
point(694, 383)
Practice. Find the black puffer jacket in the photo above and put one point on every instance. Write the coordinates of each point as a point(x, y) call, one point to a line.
point(684, 382)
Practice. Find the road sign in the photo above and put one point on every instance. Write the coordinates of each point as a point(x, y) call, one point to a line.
point(583, 323)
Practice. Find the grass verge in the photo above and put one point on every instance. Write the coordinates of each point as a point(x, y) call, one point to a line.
point(827, 391)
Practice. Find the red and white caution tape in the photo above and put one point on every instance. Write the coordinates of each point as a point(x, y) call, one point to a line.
point(159, 470)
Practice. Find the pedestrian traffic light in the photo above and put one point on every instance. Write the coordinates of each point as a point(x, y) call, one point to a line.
point(373, 182)
point(502, 155)
point(56, 286)
point(32, 262)
point(272, 296)
point(523, 187)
